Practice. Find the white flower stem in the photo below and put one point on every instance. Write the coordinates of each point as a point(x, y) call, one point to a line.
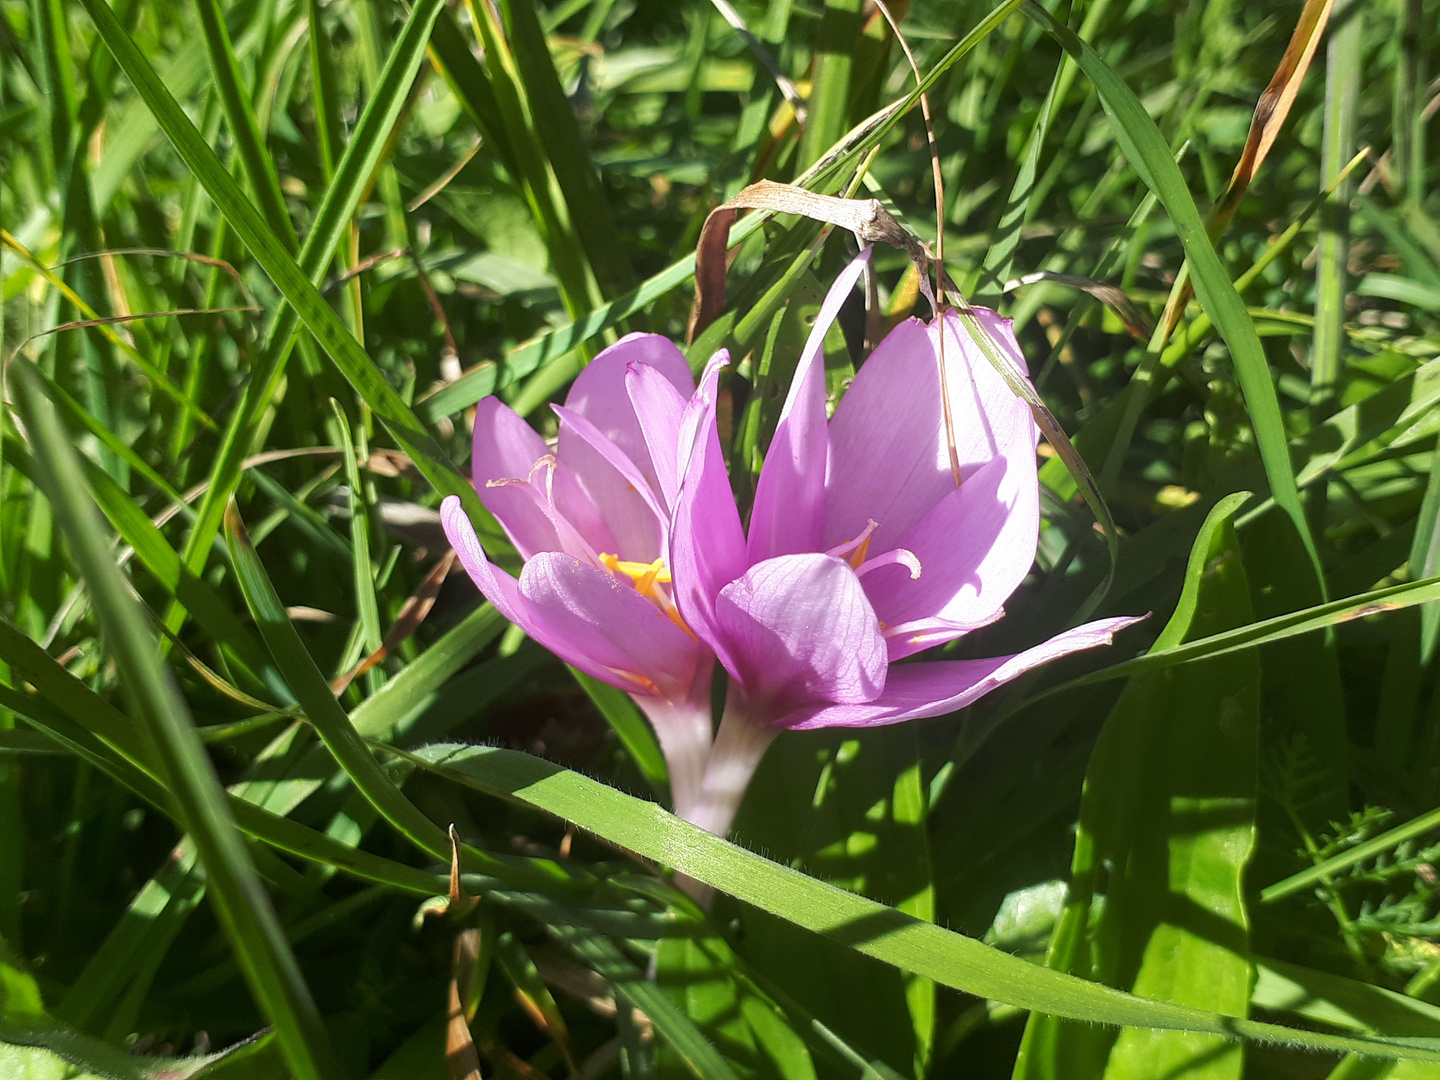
point(739, 745)
point(683, 729)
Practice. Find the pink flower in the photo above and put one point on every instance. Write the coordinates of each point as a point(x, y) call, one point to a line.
point(862, 547)
point(591, 519)
point(868, 542)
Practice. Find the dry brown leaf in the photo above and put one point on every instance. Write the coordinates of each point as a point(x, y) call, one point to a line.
point(1112, 296)
point(417, 606)
point(866, 218)
point(461, 1057)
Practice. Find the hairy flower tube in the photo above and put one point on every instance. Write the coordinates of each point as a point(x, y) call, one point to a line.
point(871, 538)
point(591, 519)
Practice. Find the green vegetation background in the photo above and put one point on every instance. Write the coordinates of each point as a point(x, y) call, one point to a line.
point(275, 250)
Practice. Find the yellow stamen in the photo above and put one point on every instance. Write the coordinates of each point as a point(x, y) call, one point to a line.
point(857, 556)
point(645, 577)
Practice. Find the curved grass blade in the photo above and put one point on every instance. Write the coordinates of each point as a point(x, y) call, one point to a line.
point(885, 933)
point(241, 901)
point(1148, 154)
point(315, 696)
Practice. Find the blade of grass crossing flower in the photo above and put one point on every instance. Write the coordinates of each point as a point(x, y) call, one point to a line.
point(885, 933)
point(1173, 806)
point(241, 901)
point(1151, 158)
point(368, 381)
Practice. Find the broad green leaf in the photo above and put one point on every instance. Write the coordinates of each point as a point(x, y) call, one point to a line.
point(1169, 808)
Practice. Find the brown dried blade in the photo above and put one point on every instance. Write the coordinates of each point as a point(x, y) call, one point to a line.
point(461, 1057)
point(406, 623)
point(1271, 112)
point(866, 218)
point(1112, 296)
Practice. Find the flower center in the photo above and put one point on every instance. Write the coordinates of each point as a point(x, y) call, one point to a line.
point(647, 577)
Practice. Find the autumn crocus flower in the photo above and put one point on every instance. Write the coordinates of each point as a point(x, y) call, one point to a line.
point(591, 519)
point(869, 540)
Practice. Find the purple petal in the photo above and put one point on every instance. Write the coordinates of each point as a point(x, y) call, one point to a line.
point(801, 631)
point(660, 408)
point(498, 587)
point(600, 624)
point(789, 508)
point(600, 395)
point(507, 448)
point(615, 485)
point(975, 547)
point(889, 454)
point(707, 544)
point(931, 689)
point(583, 615)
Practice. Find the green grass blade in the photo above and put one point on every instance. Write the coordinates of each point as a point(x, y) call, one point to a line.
point(371, 633)
point(352, 178)
point(368, 381)
point(1149, 155)
point(554, 115)
point(630, 728)
point(882, 932)
point(242, 903)
point(244, 127)
point(319, 702)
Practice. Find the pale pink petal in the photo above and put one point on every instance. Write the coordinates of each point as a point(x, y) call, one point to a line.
point(943, 686)
point(507, 449)
point(707, 543)
point(660, 408)
point(789, 509)
point(800, 631)
point(615, 486)
point(975, 547)
point(889, 454)
point(600, 624)
point(499, 588)
point(600, 395)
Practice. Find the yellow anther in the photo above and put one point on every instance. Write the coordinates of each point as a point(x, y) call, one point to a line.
point(856, 557)
point(644, 575)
